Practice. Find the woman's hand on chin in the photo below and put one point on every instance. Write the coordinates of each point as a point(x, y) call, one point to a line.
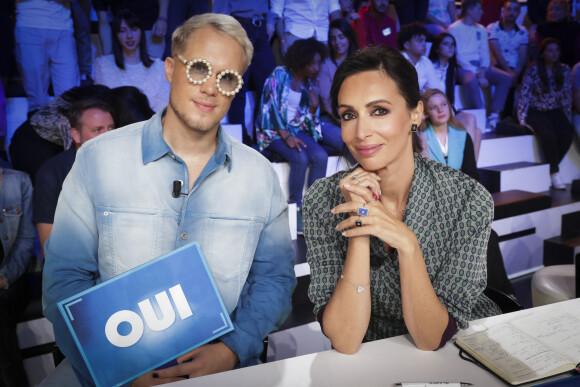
point(360, 186)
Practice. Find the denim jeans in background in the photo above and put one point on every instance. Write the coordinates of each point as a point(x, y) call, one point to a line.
point(331, 134)
point(313, 156)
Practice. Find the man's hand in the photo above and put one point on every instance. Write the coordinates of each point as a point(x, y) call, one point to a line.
point(205, 360)
point(159, 28)
point(295, 143)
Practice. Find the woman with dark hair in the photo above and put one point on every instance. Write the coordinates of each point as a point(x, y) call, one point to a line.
point(545, 105)
point(130, 65)
point(442, 55)
point(289, 119)
point(398, 243)
point(129, 106)
point(341, 43)
point(445, 137)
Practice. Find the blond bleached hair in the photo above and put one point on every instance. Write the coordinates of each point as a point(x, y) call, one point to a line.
point(220, 22)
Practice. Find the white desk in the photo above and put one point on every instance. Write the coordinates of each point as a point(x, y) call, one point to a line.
point(379, 363)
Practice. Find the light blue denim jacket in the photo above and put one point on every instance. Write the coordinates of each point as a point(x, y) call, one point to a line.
point(116, 211)
point(16, 228)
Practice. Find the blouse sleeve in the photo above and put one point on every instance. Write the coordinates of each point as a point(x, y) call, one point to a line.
point(524, 99)
point(325, 249)
point(567, 93)
point(463, 277)
point(270, 118)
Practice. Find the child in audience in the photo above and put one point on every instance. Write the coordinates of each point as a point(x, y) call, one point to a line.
point(130, 65)
point(545, 105)
point(289, 119)
point(445, 63)
point(445, 138)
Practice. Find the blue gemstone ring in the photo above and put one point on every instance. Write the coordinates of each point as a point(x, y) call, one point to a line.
point(362, 211)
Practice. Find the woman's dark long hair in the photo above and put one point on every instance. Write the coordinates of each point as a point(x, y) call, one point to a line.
point(556, 68)
point(344, 27)
point(129, 106)
point(451, 68)
point(132, 21)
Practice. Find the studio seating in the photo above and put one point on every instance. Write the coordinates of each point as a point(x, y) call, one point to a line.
point(505, 302)
point(553, 284)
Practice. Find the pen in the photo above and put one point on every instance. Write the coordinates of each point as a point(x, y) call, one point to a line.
point(432, 384)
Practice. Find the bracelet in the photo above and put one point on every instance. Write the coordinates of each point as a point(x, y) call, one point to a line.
point(163, 18)
point(359, 288)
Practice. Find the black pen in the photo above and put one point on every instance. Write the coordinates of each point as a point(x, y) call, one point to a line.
point(432, 384)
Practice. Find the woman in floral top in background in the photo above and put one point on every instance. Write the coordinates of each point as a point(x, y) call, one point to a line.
point(545, 105)
point(288, 123)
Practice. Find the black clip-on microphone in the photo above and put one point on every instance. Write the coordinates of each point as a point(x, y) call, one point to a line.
point(177, 184)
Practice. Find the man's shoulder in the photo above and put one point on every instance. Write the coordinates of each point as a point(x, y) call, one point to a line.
point(245, 154)
point(61, 162)
point(116, 138)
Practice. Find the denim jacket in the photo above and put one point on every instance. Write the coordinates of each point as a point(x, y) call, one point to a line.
point(16, 228)
point(116, 211)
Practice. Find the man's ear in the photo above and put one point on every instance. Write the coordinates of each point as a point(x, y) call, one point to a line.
point(169, 66)
point(76, 136)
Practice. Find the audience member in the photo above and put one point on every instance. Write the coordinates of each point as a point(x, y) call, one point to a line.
point(341, 43)
point(81, 15)
point(440, 15)
point(45, 49)
point(259, 22)
point(88, 119)
point(409, 11)
point(412, 42)
point(179, 11)
point(445, 63)
point(3, 124)
point(545, 105)
point(558, 25)
point(491, 11)
point(18, 240)
point(47, 132)
point(246, 243)
point(289, 124)
point(446, 140)
point(375, 26)
point(151, 13)
point(129, 106)
point(302, 19)
point(387, 269)
point(130, 64)
point(576, 96)
point(473, 59)
point(347, 11)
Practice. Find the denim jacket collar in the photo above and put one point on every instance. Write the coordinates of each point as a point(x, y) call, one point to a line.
point(154, 146)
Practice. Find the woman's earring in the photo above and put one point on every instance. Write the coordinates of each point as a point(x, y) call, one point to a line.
point(414, 128)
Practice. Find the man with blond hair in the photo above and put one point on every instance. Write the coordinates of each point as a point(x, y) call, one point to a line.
point(120, 206)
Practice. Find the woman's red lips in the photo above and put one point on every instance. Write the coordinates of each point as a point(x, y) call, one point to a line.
point(368, 150)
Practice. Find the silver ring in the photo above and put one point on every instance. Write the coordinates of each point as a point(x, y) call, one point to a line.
point(355, 177)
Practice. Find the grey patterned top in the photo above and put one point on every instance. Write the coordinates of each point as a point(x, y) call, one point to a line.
point(450, 214)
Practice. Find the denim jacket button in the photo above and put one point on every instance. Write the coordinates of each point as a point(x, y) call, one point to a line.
point(184, 235)
point(106, 213)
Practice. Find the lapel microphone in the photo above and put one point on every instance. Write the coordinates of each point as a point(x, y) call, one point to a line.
point(177, 184)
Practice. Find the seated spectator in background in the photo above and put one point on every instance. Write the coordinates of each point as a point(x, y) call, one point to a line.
point(47, 132)
point(445, 63)
point(303, 19)
point(576, 96)
point(491, 11)
point(409, 11)
point(380, 237)
point(130, 65)
point(446, 140)
point(341, 44)
point(81, 15)
point(474, 62)
point(558, 25)
point(45, 49)
point(178, 11)
point(508, 44)
point(289, 119)
point(412, 42)
point(545, 105)
point(440, 15)
point(17, 240)
point(347, 10)
point(129, 106)
point(88, 119)
point(375, 26)
point(151, 13)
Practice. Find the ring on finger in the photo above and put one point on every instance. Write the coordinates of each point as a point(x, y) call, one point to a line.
point(355, 177)
point(362, 211)
point(358, 222)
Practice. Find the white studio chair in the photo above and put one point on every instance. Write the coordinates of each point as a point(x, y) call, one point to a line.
point(553, 284)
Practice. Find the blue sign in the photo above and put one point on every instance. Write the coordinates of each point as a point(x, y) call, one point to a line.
point(143, 318)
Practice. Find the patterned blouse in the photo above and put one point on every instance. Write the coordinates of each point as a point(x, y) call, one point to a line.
point(531, 94)
point(451, 216)
point(274, 110)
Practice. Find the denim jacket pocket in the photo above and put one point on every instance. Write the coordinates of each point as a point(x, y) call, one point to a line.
point(10, 221)
point(234, 243)
point(126, 239)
